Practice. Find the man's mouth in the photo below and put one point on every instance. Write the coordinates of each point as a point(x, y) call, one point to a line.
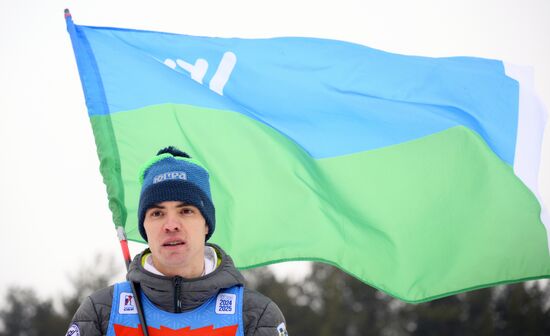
point(174, 243)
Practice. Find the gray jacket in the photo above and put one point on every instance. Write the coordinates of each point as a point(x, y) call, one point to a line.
point(261, 316)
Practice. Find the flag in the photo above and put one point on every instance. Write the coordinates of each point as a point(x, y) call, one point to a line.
point(416, 175)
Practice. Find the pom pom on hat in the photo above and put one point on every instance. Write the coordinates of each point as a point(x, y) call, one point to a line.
point(174, 151)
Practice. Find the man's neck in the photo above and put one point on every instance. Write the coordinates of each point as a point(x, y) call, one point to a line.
point(210, 261)
point(193, 270)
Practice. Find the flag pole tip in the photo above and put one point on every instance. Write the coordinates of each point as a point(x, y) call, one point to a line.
point(67, 13)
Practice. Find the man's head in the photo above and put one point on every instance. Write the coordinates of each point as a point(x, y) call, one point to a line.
point(173, 176)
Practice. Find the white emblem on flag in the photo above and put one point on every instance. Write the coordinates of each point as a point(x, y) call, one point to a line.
point(200, 67)
point(225, 303)
point(127, 303)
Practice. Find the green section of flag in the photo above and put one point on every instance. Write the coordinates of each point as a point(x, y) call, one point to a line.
point(109, 166)
point(418, 220)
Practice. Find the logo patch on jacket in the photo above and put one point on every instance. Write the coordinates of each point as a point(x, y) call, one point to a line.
point(225, 303)
point(127, 303)
point(281, 330)
point(73, 330)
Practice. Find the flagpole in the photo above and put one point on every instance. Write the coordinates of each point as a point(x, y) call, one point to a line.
point(121, 233)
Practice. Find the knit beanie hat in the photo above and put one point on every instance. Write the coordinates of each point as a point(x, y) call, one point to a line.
point(172, 175)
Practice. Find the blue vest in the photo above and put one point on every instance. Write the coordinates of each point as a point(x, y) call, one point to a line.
point(220, 315)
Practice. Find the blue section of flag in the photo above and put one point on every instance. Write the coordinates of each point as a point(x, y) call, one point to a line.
point(331, 97)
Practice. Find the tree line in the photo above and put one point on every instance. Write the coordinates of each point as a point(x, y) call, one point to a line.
point(24, 313)
point(327, 302)
point(331, 302)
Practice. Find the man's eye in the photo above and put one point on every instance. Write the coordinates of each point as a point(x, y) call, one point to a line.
point(187, 211)
point(155, 213)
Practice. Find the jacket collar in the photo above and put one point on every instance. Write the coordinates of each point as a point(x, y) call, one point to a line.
point(163, 290)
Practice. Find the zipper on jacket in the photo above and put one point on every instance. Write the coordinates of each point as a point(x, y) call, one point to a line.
point(177, 293)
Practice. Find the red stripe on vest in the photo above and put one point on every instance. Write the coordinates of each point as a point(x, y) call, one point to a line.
point(163, 331)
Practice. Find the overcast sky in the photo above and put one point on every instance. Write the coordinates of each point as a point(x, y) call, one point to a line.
point(53, 204)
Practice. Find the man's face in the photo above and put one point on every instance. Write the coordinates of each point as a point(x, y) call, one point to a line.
point(176, 233)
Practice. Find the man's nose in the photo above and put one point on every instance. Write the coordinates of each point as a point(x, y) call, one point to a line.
point(172, 224)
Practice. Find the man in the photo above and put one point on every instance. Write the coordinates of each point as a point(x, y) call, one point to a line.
point(188, 287)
